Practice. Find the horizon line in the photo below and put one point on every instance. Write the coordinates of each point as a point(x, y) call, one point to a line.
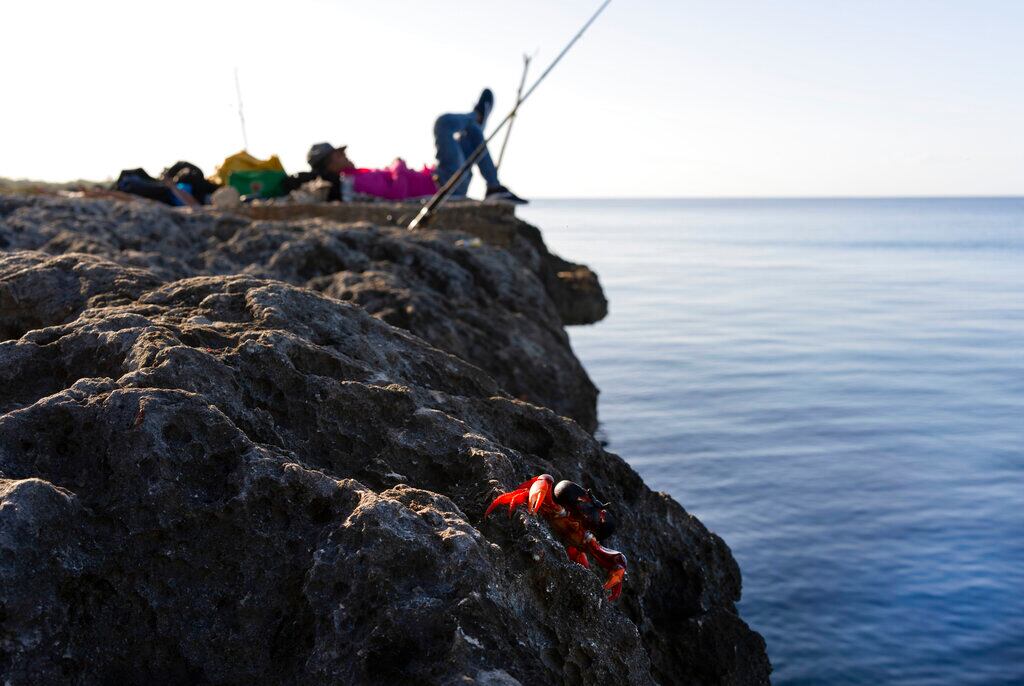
point(923, 196)
point(786, 197)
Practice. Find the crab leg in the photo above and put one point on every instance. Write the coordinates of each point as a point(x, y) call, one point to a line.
point(535, 492)
point(578, 556)
point(512, 499)
point(613, 561)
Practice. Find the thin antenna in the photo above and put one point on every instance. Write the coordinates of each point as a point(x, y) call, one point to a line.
point(519, 98)
point(444, 191)
point(241, 114)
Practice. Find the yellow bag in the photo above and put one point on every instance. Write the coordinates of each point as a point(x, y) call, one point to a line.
point(243, 161)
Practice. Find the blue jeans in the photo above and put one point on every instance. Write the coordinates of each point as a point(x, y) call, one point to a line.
point(452, 151)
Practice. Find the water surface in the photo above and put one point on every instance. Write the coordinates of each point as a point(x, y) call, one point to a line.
point(837, 388)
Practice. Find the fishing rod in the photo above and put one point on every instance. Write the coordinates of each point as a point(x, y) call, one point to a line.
point(241, 116)
point(519, 99)
point(444, 191)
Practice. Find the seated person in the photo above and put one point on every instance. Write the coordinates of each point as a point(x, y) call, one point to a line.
point(456, 136)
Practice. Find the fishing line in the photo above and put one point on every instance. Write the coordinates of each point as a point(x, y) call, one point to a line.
point(241, 115)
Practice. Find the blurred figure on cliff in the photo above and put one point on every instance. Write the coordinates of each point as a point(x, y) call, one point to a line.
point(456, 136)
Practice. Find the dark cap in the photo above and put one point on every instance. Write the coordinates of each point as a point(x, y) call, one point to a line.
point(319, 152)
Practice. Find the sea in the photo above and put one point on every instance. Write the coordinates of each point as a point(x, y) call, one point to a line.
point(836, 387)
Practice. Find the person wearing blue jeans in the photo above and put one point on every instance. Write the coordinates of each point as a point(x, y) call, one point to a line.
point(456, 136)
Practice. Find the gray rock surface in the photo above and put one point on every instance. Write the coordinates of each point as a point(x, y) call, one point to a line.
point(489, 306)
point(573, 288)
point(230, 479)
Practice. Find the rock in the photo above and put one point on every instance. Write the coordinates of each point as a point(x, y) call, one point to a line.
point(226, 198)
point(484, 304)
point(573, 288)
point(231, 479)
point(38, 290)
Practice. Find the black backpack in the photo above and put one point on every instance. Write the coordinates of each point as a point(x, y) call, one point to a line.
point(138, 182)
point(188, 173)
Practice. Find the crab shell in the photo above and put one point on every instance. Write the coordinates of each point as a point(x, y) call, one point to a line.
point(582, 504)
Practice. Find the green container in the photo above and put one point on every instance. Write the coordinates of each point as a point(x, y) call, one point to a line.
point(263, 184)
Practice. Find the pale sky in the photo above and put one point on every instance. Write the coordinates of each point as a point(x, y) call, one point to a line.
point(669, 98)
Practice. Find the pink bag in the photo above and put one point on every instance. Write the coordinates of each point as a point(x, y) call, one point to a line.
point(396, 182)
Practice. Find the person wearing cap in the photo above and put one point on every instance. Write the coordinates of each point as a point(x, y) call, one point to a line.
point(324, 157)
point(456, 136)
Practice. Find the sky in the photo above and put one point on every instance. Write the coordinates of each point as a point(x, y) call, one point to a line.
point(659, 99)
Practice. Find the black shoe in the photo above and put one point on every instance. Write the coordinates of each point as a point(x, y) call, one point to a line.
point(502, 194)
point(483, 107)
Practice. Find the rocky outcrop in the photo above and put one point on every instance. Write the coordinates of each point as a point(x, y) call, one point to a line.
point(232, 479)
point(492, 307)
point(573, 288)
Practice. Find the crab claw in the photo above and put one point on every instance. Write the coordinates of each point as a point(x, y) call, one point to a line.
point(613, 561)
point(540, 492)
point(614, 583)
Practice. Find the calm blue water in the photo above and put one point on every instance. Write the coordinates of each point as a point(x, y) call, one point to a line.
point(837, 388)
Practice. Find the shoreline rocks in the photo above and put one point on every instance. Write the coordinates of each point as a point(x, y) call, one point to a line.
point(220, 462)
point(489, 302)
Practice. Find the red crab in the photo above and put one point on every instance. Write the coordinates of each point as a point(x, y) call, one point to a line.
point(577, 517)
